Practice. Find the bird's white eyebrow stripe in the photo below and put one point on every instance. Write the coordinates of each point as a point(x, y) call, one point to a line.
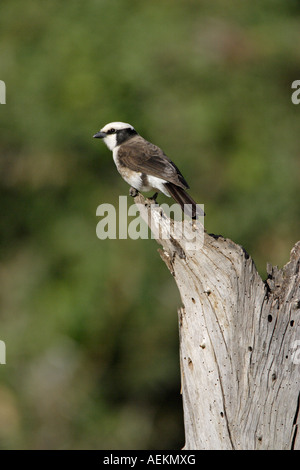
point(116, 125)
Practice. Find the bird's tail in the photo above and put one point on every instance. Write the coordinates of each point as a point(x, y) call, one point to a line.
point(188, 205)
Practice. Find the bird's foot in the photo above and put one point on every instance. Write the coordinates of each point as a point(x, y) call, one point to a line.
point(154, 197)
point(133, 192)
point(152, 200)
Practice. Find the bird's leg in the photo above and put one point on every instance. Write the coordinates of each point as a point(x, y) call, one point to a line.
point(133, 192)
point(154, 197)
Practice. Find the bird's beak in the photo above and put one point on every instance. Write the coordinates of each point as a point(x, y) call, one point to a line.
point(100, 135)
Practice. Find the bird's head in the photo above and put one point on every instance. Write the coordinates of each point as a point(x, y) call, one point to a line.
point(115, 133)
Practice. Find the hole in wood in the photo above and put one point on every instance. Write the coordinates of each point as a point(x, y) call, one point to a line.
point(270, 318)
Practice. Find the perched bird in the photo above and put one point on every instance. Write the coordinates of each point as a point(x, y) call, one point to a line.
point(145, 167)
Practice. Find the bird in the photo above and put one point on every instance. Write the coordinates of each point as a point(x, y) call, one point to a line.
point(145, 167)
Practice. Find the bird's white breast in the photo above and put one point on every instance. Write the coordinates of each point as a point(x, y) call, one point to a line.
point(115, 155)
point(133, 178)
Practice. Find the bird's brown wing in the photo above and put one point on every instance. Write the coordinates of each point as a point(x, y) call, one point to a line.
point(142, 156)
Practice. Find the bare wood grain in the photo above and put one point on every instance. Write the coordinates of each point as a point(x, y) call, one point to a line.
point(240, 379)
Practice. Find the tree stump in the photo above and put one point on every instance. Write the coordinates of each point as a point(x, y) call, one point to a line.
point(239, 339)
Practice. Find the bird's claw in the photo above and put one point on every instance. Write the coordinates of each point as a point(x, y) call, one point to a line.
point(154, 197)
point(133, 192)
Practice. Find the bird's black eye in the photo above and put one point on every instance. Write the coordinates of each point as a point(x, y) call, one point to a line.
point(111, 131)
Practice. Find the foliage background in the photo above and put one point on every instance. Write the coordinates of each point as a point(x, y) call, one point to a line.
point(90, 326)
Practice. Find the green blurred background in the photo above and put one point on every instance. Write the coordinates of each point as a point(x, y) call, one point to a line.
point(90, 326)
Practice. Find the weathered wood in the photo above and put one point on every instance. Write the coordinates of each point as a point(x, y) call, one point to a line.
point(239, 340)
